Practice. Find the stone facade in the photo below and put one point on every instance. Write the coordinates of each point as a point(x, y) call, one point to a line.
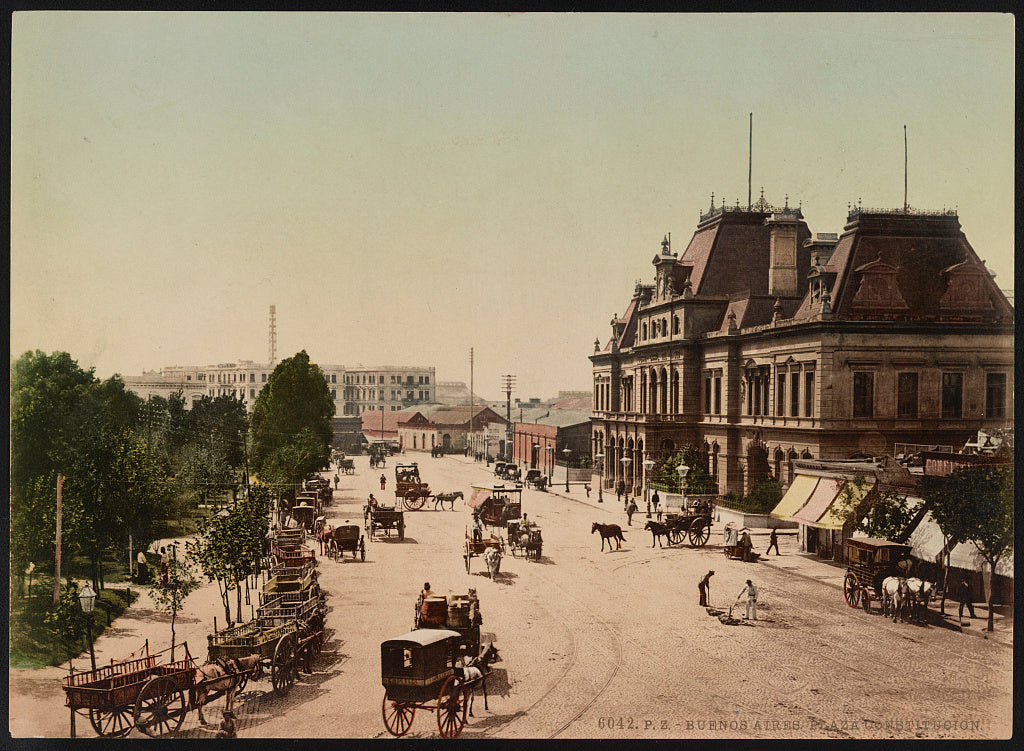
point(763, 343)
point(389, 387)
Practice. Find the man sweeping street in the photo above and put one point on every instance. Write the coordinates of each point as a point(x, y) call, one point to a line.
point(751, 592)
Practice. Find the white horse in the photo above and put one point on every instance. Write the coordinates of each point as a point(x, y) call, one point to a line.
point(920, 593)
point(492, 557)
point(895, 594)
point(476, 671)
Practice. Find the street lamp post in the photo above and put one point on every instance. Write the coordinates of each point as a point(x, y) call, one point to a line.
point(87, 598)
point(682, 469)
point(648, 466)
point(551, 463)
point(626, 461)
point(566, 453)
point(600, 478)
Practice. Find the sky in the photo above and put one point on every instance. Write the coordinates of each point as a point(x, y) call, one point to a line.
point(405, 187)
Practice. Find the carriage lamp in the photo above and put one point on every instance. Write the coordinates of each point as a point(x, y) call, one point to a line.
point(599, 458)
point(682, 469)
point(566, 453)
point(648, 466)
point(87, 598)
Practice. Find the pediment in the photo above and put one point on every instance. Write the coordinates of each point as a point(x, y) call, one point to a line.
point(967, 288)
point(878, 289)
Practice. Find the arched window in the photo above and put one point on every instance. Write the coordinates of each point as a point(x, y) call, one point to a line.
point(675, 324)
point(644, 331)
point(789, 466)
point(779, 456)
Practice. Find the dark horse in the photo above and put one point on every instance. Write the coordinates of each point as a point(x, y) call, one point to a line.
point(609, 532)
point(477, 670)
point(224, 677)
point(442, 498)
point(657, 530)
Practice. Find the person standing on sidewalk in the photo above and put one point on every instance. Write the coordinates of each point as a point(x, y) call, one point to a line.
point(703, 586)
point(966, 599)
point(620, 489)
point(335, 480)
point(751, 592)
point(383, 482)
point(656, 501)
point(773, 542)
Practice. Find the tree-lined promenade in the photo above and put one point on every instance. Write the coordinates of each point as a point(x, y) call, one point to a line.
point(133, 471)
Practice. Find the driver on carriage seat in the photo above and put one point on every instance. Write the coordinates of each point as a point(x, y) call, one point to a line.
point(478, 527)
point(372, 501)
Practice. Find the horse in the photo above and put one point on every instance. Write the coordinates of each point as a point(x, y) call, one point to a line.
point(325, 536)
point(920, 594)
point(224, 676)
point(476, 671)
point(895, 594)
point(492, 557)
point(657, 530)
point(609, 532)
point(442, 498)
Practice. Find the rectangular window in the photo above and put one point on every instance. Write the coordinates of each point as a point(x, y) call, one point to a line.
point(863, 394)
point(794, 395)
point(707, 396)
point(252, 393)
point(906, 395)
point(718, 395)
point(426, 380)
point(995, 395)
point(952, 395)
point(780, 396)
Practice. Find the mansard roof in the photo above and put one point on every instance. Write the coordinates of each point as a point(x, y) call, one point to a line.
point(910, 266)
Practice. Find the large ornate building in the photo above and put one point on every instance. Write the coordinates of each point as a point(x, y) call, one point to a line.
point(763, 343)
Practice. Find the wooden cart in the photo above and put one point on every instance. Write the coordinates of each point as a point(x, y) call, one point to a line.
point(412, 491)
point(869, 561)
point(384, 518)
point(277, 645)
point(459, 613)
point(476, 548)
point(418, 671)
point(497, 504)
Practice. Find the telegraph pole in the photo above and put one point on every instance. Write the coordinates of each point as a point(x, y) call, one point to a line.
point(508, 381)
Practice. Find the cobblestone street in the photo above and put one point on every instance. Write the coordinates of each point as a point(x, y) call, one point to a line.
point(596, 644)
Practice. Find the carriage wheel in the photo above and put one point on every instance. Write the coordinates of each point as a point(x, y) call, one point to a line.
point(675, 536)
point(865, 600)
point(851, 587)
point(160, 707)
point(415, 502)
point(113, 723)
point(362, 549)
point(283, 666)
point(451, 707)
point(397, 716)
point(401, 530)
point(700, 531)
point(466, 557)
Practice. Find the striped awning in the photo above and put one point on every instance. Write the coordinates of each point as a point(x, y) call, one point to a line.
point(799, 491)
point(818, 512)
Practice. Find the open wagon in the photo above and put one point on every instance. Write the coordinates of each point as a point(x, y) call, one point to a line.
point(693, 522)
point(287, 548)
point(476, 548)
point(736, 543)
point(151, 692)
point(408, 486)
point(277, 646)
point(418, 671)
point(384, 518)
point(869, 561)
point(497, 504)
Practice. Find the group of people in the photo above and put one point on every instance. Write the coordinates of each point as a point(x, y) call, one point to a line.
point(749, 589)
point(142, 567)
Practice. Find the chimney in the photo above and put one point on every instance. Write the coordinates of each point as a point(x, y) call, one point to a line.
point(782, 280)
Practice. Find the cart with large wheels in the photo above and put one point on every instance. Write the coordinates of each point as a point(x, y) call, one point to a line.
point(418, 671)
point(476, 548)
point(693, 524)
point(384, 519)
point(277, 646)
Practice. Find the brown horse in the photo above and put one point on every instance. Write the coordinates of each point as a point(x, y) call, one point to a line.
point(224, 676)
point(609, 532)
point(657, 530)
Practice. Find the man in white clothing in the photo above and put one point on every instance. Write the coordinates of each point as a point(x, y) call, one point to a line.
point(751, 592)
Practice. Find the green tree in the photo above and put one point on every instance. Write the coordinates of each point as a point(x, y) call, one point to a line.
point(181, 582)
point(698, 480)
point(976, 505)
point(883, 514)
point(291, 422)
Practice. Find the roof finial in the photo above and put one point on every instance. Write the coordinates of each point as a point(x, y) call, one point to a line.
point(787, 200)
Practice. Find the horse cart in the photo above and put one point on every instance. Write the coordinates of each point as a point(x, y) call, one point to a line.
point(408, 486)
point(693, 522)
point(459, 613)
point(476, 548)
point(347, 466)
point(736, 543)
point(537, 479)
point(347, 538)
point(288, 548)
point(305, 515)
point(384, 518)
point(869, 561)
point(497, 504)
point(418, 671)
point(525, 540)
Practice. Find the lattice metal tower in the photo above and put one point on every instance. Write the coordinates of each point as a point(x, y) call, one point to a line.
point(508, 381)
point(273, 334)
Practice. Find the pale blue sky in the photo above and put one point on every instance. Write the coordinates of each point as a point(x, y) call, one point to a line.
point(404, 186)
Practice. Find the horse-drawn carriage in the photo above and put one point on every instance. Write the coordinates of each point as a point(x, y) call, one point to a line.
point(525, 540)
point(384, 518)
point(691, 521)
point(305, 515)
point(459, 613)
point(497, 504)
point(287, 548)
point(870, 561)
point(536, 478)
point(345, 538)
point(409, 487)
point(347, 466)
point(475, 548)
point(419, 671)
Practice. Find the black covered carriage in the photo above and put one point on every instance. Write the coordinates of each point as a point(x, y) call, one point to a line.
point(525, 540)
point(347, 538)
point(497, 504)
point(384, 518)
point(418, 671)
point(869, 561)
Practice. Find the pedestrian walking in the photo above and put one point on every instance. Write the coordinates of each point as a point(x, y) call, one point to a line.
point(703, 586)
point(630, 510)
point(621, 489)
point(773, 542)
point(383, 482)
point(165, 567)
point(656, 501)
point(966, 599)
point(751, 592)
point(335, 480)
point(143, 568)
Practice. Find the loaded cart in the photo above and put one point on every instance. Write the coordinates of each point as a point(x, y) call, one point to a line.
point(460, 613)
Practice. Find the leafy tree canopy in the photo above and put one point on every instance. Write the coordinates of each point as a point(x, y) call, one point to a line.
point(698, 480)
